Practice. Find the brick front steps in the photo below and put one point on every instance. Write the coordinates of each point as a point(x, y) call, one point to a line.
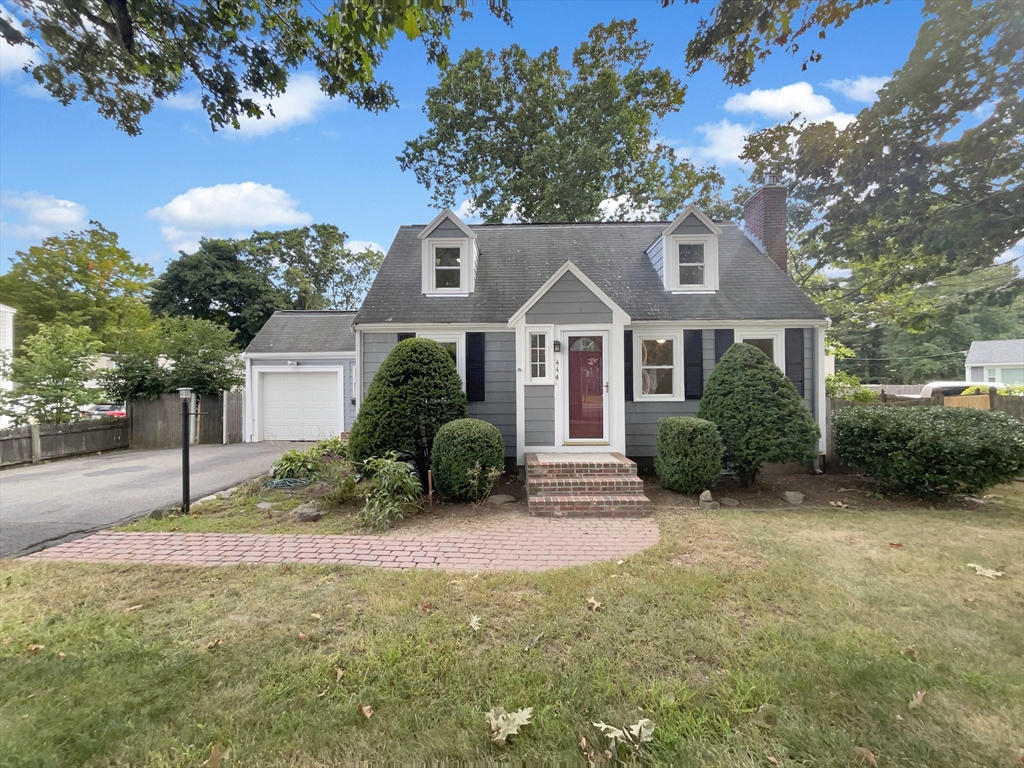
point(584, 485)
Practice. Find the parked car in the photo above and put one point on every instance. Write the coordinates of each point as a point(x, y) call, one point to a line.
point(107, 409)
point(953, 388)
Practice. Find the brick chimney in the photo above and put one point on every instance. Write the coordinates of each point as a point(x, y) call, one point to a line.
point(764, 218)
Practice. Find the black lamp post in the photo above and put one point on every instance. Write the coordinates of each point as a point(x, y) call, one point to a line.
point(186, 396)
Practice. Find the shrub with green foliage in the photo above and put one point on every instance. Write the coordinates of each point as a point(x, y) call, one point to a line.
point(415, 392)
point(330, 446)
point(394, 490)
point(295, 464)
point(466, 455)
point(930, 452)
point(339, 484)
point(758, 412)
point(689, 456)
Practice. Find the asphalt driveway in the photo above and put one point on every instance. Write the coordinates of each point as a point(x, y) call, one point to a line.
point(46, 504)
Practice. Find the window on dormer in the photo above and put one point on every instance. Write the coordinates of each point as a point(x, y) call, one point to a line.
point(447, 267)
point(691, 263)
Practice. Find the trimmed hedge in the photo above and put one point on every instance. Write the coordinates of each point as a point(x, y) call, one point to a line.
point(930, 452)
point(758, 412)
point(416, 390)
point(689, 456)
point(459, 447)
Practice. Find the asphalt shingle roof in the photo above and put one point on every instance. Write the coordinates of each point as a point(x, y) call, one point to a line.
point(517, 259)
point(295, 331)
point(1004, 352)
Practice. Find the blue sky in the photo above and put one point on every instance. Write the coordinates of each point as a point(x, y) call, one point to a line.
point(323, 161)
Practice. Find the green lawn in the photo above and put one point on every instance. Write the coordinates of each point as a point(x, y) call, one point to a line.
point(805, 611)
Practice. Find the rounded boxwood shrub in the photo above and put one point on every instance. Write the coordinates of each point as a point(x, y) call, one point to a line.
point(416, 390)
point(933, 451)
point(466, 453)
point(689, 456)
point(758, 412)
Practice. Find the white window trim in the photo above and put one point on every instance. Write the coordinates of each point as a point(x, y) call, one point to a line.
point(778, 336)
point(549, 355)
point(429, 275)
point(639, 336)
point(460, 348)
point(710, 243)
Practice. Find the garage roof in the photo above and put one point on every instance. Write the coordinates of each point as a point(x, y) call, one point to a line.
point(295, 331)
point(1004, 352)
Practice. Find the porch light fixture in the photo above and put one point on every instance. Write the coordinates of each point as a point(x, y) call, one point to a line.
point(556, 345)
point(184, 392)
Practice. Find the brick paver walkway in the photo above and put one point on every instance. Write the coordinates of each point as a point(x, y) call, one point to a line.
point(527, 544)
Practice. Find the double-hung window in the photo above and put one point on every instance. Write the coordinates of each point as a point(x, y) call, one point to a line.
point(658, 362)
point(691, 264)
point(447, 268)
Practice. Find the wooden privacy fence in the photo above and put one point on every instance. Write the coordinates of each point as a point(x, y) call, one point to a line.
point(157, 423)
point(1013, 405)
point(39, 442)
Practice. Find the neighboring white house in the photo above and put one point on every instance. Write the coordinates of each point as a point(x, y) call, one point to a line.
point(6, 348)
point(1001, 361)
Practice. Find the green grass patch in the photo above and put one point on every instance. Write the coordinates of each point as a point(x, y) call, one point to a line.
point(805, 614)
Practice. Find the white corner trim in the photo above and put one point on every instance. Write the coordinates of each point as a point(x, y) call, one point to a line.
point(692, 209)
point(449, 214)
point(619, 315)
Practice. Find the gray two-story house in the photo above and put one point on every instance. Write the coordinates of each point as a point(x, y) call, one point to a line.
point(577, 338)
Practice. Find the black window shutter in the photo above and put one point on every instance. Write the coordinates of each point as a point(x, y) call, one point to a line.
point(404, 336)
point(795, 358)
point(724, 338)
point(627, 351)
point(693, 364)
point(475, 367)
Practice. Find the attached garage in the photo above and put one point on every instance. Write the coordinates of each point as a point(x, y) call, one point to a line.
point(299, 376)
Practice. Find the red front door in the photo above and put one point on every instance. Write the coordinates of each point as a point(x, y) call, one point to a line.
point(586, 387)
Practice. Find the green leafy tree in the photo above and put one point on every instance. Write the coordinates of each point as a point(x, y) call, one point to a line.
point(140, 370)
point(125, 56)
point(533, 141)
point(202, 354)
point(51, 372)
point(216, 284)
point(80, 279)
point(313, 266)
point(758, 412)
point(415, 392)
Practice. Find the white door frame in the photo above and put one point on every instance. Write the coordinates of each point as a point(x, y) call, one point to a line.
point(257, 375)
point(562, 386)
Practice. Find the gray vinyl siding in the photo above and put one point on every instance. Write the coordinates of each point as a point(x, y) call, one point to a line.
point(376, 347)
point(499, 407)
point(691, 225)
point(569, 301)
point(539, 409)
point(447, 228)
point(657, 257)
point(809, 369)
point(346, 372)
point(642, 423)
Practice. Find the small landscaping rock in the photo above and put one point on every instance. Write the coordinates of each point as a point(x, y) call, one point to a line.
point(500, 498)
point(265, 505)
point(709, 504)
point(793, 497)
point(727, 502)
point(157, 514)
point(706, 496)
point(226, 494)
point(307, 513)
point(206, 499)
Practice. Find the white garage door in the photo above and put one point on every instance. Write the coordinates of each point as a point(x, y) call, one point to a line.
point(299, 406)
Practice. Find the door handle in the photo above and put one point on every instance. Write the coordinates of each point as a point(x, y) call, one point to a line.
point(606, 386)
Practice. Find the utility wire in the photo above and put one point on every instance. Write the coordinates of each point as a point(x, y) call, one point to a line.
point(914, 357)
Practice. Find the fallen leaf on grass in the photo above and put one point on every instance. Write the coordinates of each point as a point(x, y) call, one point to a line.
point(426, 607)
point(762, 716)
point(772, 760)
point(620, 562)
point(215, 643)
point(841, 505)
point(896, 544)
point(217, 753)
point(303, 637)
point(917, 701)
point(338, 671)
point(323, 693)
point(643, 730)
point(910, 653)
point(316, 616)
point(132, 608)
point(593, 604)
point(62, 654)
point(474, 623)
point(866, 756)
point(504, 724)
point(366, 711)
point(34, 649)
point(983, 571)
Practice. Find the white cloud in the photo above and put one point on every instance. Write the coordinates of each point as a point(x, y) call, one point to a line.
point(210, 211)
point(1014, 253)
point(12, 57)
point(467, 212)
point(864, 89)
point(612, 208)
point(723, 143)
point(301, 103)
point(358, 246)
point(186, 102)
point(32, 216)
point(780, 103)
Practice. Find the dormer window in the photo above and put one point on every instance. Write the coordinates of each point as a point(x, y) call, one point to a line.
point(449, 257)
point(691, 263)
point(447, 267)
point(686, 254)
